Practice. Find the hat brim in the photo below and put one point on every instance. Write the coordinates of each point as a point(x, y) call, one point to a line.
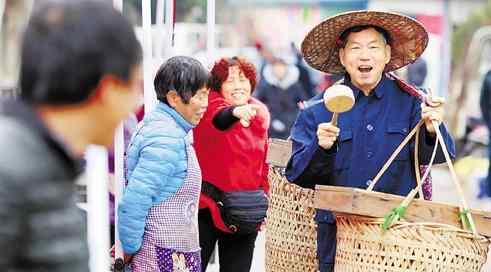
point(408, 39)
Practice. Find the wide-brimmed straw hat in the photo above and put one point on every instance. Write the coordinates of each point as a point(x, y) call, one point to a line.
point(408, 37)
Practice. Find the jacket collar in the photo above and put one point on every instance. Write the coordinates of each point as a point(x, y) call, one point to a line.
point(378, 92)
point(24, 114)
point(183, 123)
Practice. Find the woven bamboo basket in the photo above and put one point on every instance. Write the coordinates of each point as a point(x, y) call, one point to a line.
point(361, 246)
point(291, 234)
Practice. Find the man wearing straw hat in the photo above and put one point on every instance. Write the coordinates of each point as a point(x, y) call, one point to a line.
point(364, 46)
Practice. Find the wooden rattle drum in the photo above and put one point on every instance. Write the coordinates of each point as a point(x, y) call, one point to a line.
point(338, 98)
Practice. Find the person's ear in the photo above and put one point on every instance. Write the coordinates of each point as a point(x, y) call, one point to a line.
point(388, 52)
point(173, 98)
point(341, 56)
point(108, 89)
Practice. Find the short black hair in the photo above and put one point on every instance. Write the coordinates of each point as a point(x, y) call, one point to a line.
point(344, 36)
point(69, 46)
point(185, 75)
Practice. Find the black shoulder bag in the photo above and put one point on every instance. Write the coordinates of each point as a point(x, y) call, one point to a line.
point(241, 211)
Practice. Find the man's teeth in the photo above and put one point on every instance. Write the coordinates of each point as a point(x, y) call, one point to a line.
point(365, 69)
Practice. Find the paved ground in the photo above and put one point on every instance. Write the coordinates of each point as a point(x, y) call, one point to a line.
point(444, 191)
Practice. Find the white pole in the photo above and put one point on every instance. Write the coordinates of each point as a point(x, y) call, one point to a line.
point(210, 21)
point(118, 185)
point(149, 93)
point(160, 12)
point(169, 25)
point(159, 27)
point(2, 10)
point(97, 208)
point(118, 171)
point(445, 53)
point(118, 4)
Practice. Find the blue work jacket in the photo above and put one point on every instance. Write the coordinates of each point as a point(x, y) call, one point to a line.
point(369, 134)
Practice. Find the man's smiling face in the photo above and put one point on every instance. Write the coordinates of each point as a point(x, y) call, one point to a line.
point(364, 57)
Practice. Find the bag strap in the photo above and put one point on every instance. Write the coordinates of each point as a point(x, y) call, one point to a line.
point(213, 192)
point(408, 88)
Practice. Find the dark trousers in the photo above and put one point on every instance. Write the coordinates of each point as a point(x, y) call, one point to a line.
point(234, 251)
point(487, 185)
point(326, 240)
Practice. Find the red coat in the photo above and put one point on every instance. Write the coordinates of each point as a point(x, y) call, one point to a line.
point(233, 159)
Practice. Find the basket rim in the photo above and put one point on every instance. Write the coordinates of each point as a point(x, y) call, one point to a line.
point(404, 224)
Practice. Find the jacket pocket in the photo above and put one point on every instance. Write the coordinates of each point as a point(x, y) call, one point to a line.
point(396, 133)
point(345, 147)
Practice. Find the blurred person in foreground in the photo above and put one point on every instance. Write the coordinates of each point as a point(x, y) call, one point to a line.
point(364, 46)
point(231, 143)
point(158, 214)
point(79, 78)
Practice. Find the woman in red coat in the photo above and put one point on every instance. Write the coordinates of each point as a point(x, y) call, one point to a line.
point(231, 143)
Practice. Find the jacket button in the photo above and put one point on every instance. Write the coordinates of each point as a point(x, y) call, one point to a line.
point(369, 182)
point(369, 127)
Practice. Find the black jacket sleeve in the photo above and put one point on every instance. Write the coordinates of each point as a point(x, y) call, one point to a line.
point(224, 119)
point(309, 164)
point(319, 168)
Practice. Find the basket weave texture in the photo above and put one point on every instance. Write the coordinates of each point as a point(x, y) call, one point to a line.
point(291, 232)
point(291, 239)
point(361, 246)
